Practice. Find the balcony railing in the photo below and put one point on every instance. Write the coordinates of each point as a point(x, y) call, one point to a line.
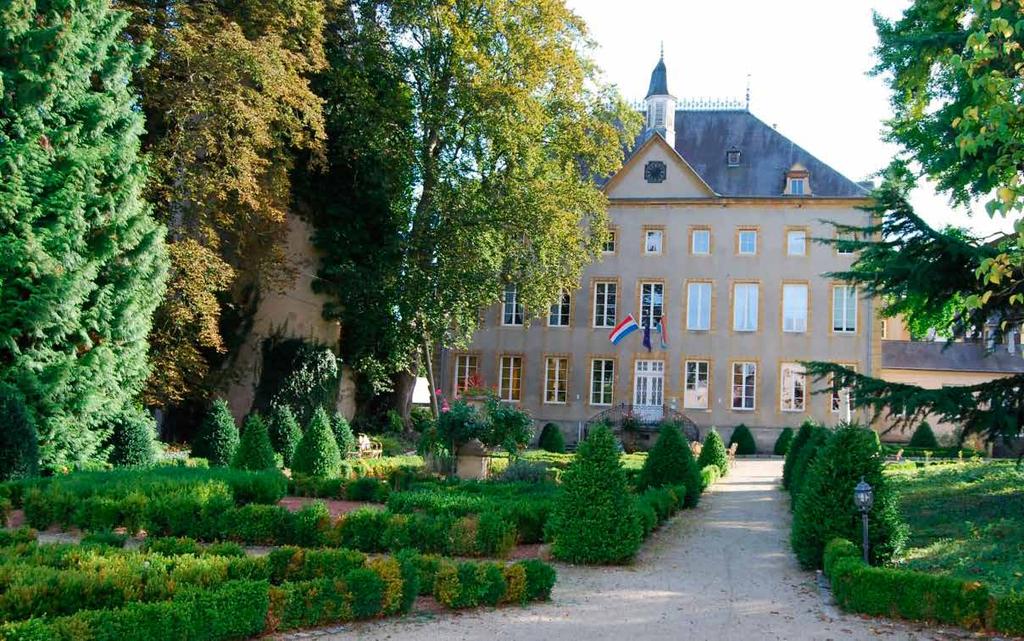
point(643, 418)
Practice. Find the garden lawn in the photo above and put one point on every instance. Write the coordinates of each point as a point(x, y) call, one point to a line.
point(966, 520)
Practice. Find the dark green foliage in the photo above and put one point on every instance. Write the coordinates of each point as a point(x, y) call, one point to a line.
point(343, 435)
point(595, 518)
point(540, 578)
point(804, 461)
point(132, 439)
point(713, 453)
point(82, 262)
point(367, 488)
point(218, 437)
point(317, 453)
point(924, 437)
point(551, 439)
point(671, 462)
point(1009, 614)
point(254, 450)
point(422, 419)
point(709, 474)
point(495, 535)
point(104, 539)
point(302, 375)
point(825, 508)
point(803, 435)
point(744, 440)
point(367, 592)
point(783, 442)
point(284, 432)
point(19, 445)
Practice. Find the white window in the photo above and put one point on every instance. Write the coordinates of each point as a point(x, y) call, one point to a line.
point(885, 329)
point(602, 381)
point(796, 186)
point(744, 310)
point(746, 242)
point(845, 250)
point(466, 367)
point(839, 395)
point(604, 304)
point(609, 245)
point(652, 241)
point(651, 301)
point(844, 309)
point(559, 314)
point(556, 379)
point(697, 377)
point(700, 242)
point(512, 311)
point(794, 308)
point(744, 386)
point(659, 113)
point(796, 242)
point(793, 387)
point(698, 306)
point(510, 382)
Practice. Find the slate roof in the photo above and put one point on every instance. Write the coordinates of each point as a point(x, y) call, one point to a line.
point(659, 81)
point(952, 357)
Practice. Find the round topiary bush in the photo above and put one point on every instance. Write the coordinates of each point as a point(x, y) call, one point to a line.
point(595, 518)
point(343, 435)
point(783, 442)
point(825, 508)
point(218, 436)
point(744, 440)
point(551, 439)
point(924, 437)
point(254, 450)
point(19, 443)
point(132, 439)
point(803, 462)
point(671, 462)
point(799, 441)
point(317, 453)
point(284, 432)
point(713, 453)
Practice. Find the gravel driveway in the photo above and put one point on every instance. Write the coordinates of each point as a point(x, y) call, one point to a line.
point(721, 572)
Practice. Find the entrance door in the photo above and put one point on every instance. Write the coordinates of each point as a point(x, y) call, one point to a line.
point(649, 390)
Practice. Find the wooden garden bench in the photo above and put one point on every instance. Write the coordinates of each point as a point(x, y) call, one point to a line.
point(696, 447)
point(368, 447)
point(732, 453)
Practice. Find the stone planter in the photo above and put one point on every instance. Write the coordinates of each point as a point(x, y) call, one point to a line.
point(472, 461)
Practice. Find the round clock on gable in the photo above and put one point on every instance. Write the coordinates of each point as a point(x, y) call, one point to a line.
point(654, 171)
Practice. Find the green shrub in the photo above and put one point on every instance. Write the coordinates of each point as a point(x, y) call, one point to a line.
point(540, 579)
point(1009, 613)
point(671, 462)
point(522, 471)
point(709, 474)
point(803, 435)
point(551, 439)
point(804, 460)
point(924, 437)
point(422, 419)
point(825, 508)
point(19, 443)
point(495, 536)
point(595, 519)
point(343, 435)
point(783, 442)
point(713, 453)
point(744, 440)
point(363, 529)
point(254, 451)
point(132, 438)
point(367, 488)
point(317, 453)
point(217, 439)
point(284, 432)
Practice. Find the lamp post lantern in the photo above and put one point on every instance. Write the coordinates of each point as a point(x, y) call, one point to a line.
point(864, 498)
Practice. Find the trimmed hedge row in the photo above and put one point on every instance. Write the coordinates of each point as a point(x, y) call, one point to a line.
point(657, 505)
point(881, 591)
point(709, 475)
point(368, 530)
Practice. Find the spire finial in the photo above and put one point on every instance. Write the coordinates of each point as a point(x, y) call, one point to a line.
point(662, 56)
point(748, 92)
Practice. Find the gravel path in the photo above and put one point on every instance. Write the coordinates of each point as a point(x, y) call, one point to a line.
point(721, 572)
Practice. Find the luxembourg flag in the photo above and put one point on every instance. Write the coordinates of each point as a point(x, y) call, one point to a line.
point(623, 329)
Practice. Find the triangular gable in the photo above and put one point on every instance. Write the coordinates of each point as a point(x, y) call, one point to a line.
point(681, 181)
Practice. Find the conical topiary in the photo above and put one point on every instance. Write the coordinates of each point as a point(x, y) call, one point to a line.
point(803, 435)
point(19, 443)
point(782, 443)
point(254, 450)
point(218, 436)
point(317, 453)
point(713, 453)
point(343, 435)
point(595, 519)
point(671, 462)
point(804, 461)
point(132, 439)
point(551, 439)
point(924, 437)
point(284, 432)
point(744, 440)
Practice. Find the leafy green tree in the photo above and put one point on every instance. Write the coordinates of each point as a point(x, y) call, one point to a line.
point(744, 440)
point(19, 446)
point(284, 432)
point(463, 139)
point(508, 427)
point(82, 261)
point(924, 437)
point(783, 442)
point(217, 439)
point(671, 462)
point(551, 439)
point(343, 434)
point(713, 453)
point(133, 439)
point(595, 519)
point(254, 450)
point(317, 453)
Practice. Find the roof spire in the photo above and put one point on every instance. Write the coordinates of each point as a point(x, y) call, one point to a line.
point(662, 56)
point(659, 81)
point(748, 92)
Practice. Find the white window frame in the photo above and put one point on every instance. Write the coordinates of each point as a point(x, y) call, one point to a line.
point(652, 305)
point(559, 393)
point(747, 369)
point(704, 233)
point(511, 310)
point(796, 186)
point(510, 389)
point(561, 311)
point(739, 242)
point(845, 236)
point(608, 247)
point(792, 388)
point(603, 309)
point(836, 396)
point(744, 316)
point(602, 381)
point(790, 237)
point(466, 365)
point(794, 318)
point(696, 372)
point(844, 306)
point(698, 294)
point(659, 234)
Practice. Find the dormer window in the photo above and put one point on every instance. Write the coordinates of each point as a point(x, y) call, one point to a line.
point(798, 181)
point(732, 158)
point(796, 186)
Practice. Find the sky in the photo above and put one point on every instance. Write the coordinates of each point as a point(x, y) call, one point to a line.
point(808, 62)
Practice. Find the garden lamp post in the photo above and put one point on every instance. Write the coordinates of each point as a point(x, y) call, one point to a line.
point(864, 498)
